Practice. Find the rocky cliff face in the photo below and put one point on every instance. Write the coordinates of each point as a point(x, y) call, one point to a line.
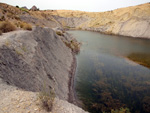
point(33, 61)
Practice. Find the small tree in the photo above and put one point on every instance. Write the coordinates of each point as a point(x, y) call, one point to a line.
point(17, 6)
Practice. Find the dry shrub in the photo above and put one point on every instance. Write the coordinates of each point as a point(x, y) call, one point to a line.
point(10, 15)
point(2, 18)
point(73, 45)
point(25, 26)
point(59, 33)
point(76, 46)
point(17, 17)
point(0, 32)
point(47, 100)
point(7, 26)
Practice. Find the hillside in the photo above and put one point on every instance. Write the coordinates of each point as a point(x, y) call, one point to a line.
point(131, 21)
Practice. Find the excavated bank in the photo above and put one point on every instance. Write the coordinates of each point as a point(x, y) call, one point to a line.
point(35, 61)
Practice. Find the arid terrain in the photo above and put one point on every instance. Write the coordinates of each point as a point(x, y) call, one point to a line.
point(131, 21)
point(37, 58)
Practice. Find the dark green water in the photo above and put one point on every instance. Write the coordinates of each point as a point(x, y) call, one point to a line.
point(105, 79)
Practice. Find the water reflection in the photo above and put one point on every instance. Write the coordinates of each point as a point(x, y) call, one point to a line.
point(105, 80)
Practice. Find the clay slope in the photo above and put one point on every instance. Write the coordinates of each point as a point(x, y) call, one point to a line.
point(35, 61)
point(131, 21)
point(32, 62)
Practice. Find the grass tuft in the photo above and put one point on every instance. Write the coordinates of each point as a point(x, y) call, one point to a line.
point(7, 26)
point(0, 32)
point(25, 26)
point(59, 33)
point(73, 45)
point(47, 100)
point(23, 9)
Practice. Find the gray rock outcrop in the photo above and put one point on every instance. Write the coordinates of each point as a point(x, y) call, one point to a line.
point(36, 61)
point(31, 62)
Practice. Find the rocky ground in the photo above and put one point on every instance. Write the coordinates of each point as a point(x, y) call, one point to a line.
point(18, 101)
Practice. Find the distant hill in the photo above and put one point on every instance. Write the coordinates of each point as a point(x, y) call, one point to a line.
point(131, 21)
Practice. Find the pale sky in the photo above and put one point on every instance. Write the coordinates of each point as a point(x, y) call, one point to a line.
point(83, 5)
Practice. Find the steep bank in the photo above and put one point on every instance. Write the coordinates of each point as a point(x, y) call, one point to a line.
point(31, 62)
point(38, 59)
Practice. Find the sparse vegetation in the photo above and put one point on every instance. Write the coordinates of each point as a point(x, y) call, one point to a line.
point(25, 26)
point(10, 15)
point(76, 46)
point(73, 45)
point(121, 110)
point(0, 32)
point(2, 18)
point(17, 6)
point(19, 52)
point(7, 26)
point(7, 43)
point(23, 9)
point(59, 33)
point(67, 27)
point(47, 100)
point(80, 28)
point(24, 48)
point(17, 17)
point(4, 11)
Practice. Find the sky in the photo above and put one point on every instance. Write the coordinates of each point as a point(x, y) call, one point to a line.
point(83, 5)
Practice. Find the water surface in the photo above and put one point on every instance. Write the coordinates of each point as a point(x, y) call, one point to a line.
point(105, 79)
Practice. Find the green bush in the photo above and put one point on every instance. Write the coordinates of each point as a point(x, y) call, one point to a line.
point(6, 26)
point(17, 6)
point(25, 10)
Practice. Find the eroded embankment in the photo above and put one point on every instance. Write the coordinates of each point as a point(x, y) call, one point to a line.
point(32, 62)
point(131, 21)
